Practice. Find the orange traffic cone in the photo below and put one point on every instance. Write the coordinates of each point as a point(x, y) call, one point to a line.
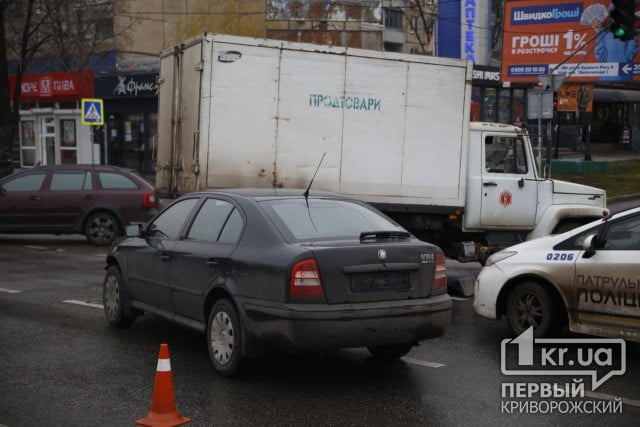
point(163, 407)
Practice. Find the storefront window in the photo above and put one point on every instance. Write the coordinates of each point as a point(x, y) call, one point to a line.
point(504, 106)
point(68, 142)
point(517, 106)
point(27, 143)
point(134, 140)
point(489, 105)
point(476, 101)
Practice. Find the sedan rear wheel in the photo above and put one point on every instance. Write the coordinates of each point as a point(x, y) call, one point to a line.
point(102, 228)
point(115, 299)
point(529, 304)
point(390, 352)
point(223, 338)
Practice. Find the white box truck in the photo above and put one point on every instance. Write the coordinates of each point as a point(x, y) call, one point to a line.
point(245, 112)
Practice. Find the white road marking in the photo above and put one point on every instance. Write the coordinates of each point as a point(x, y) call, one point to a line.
point(422, 362)
point(37, 248)
point(9, 291)
point(604, 396)
point(459, 298)
point(84, 303)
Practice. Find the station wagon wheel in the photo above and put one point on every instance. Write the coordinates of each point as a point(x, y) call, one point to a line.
point(529, 304)
point(390, 352)
point(223, 338)
point(115, 299)
point(101, 228)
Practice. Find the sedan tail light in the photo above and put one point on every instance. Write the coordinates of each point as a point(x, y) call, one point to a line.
point(305, 279)
point(149, 200)
point(440, 272)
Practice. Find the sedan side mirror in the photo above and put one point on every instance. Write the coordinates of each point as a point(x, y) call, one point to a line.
point(133, 230)
point(589, 245)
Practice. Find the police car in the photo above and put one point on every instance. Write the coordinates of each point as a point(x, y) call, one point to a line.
point(588, 277)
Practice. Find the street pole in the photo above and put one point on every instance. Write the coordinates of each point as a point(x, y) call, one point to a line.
point(93, 160)
point(540, 132)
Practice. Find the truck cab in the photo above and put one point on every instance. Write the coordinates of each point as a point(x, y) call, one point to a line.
point(507, 197)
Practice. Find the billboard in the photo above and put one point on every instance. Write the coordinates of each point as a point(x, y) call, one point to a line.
point(566, 37)
point(464, 30)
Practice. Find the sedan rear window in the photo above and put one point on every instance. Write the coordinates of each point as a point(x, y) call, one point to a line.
point(326, 219)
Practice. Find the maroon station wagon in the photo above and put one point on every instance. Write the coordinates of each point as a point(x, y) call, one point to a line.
point(97, 201)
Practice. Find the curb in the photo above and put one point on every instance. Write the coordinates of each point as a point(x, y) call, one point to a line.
point(623, 198)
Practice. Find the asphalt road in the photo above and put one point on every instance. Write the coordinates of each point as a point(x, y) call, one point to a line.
point(60, 364)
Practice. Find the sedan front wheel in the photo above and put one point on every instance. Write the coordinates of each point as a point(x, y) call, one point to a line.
point(115, 299)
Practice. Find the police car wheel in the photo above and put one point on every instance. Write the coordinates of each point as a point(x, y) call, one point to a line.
point(529, 304)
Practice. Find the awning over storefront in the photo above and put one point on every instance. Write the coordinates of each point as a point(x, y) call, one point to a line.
point(615, 95)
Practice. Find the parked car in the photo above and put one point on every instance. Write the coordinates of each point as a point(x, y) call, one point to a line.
point(588, 277)
point(97, 201)
point(255, 269)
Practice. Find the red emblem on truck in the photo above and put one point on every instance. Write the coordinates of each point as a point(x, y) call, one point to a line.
point(505, 198)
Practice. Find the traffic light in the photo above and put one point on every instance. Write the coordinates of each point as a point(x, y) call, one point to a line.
point(623, 19)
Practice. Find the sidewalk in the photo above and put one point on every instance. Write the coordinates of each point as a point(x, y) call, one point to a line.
point(601, 152)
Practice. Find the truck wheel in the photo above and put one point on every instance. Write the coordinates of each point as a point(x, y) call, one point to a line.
point(223, 338)
point(115, 300)
point(390, 352)
point(101, 229)
point(529, 304)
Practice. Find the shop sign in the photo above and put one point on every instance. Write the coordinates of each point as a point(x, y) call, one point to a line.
point(486, 75)
point(127, 86)
point(575, 97)
point(49, 86)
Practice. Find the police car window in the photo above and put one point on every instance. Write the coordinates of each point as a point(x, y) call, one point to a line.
point(623, 235)
point(575, 242)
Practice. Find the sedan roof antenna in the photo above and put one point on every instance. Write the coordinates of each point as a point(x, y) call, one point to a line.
point(306, 193)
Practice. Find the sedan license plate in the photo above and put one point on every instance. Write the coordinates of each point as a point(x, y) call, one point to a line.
point(380, 281)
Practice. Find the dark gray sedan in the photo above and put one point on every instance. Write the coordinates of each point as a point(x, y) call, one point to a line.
point(261, 268)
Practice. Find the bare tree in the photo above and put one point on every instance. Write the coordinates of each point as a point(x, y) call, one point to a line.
point(21, 37)
point(77, 31)
point(421, 16)
point(64, 35)
point(497, 23)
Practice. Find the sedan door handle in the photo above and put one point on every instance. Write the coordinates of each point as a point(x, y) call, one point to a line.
point(165, 257)
point(34, 198)
point(88, 197)
point(490, 184)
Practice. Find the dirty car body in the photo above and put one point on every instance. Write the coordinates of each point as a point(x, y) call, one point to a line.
point(95, 200)
point(262, 268)
point(587, 277)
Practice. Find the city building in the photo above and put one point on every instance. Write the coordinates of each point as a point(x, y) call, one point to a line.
point(122, 64)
